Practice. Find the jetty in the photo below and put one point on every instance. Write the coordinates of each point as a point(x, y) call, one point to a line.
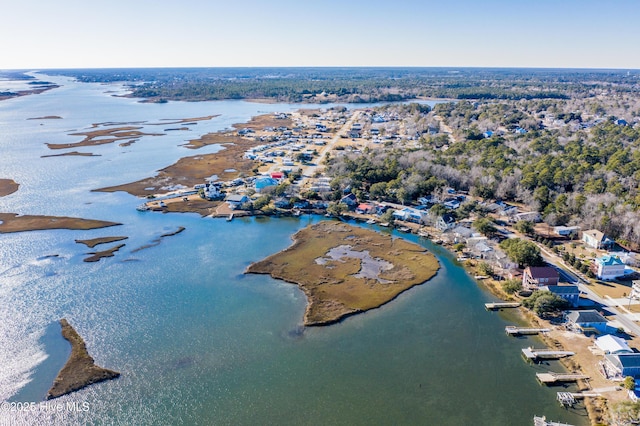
point(550, 377)
point(534, 354)
point(512, 330)
point(542, 421)
point(492, 306)
point(230, 217)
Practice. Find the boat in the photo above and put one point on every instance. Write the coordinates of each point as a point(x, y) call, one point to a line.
point(423, 234)
point(404, 229)
point(385, 224)
point(371, 221)
point(142, 208)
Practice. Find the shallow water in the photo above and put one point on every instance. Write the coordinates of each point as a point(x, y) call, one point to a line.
point(196, 340)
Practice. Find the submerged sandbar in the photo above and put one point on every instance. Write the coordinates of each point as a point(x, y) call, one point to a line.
point(344, 270)
point(80, 370)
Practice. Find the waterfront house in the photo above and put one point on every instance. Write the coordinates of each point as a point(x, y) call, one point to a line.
point(623, 365)
point(536, 276)
point(350, 201)
point(277, 175)
point(446, 222)
point(595, 239)
point(365, 208)
point(236, 200)
point(570, 293)
point(586, 321)
point(610, 344)
point(283, 203)
point(608, 267)
point(409, 214)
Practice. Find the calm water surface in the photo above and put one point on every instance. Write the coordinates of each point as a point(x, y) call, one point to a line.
point(196, 340)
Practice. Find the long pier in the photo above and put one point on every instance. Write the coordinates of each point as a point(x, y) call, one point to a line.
point(500, 305)
point(550, 377)
point(533, 354)
point(512, 330)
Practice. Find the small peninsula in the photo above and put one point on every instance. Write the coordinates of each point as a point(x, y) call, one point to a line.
point(80, 370)
point(344, 270)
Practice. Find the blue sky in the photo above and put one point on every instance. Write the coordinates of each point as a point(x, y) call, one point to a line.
point(163, 33)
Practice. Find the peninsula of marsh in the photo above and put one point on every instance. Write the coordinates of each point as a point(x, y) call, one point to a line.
point(344, 270)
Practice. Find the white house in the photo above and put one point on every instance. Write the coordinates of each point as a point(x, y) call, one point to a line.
point(594, 239)
point(609, 267)
point(236, 200)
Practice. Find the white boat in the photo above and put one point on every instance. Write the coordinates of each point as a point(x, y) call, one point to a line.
point(142, 208)
point(371, 221)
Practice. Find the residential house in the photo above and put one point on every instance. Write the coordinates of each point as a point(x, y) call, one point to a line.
point(283, 203)
point(608, 267)
point(595, 239)
point(446, 222)
point(263, 183)
point(610, 344)
point(566, 231)
point(537, 276)
point(570, 293)
point(487, 134)
point(588, 320)
point(530, 216)
point(365, 208)
point(350, 201)
point(236, 200)
point(409, 214)
point(623, 365)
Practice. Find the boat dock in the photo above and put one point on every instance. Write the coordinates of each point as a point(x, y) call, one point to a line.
point(512, 330)
point(500, 305)
point(534, 354)
point(550, 377)
point(542, 421)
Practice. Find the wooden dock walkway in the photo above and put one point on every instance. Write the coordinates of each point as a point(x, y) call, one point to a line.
point(542, 421)
point(500, 305)
point(550, 377)
point(512, 330)
point(533, 354)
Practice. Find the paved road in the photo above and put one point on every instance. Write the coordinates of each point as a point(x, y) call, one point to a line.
point(629, 324)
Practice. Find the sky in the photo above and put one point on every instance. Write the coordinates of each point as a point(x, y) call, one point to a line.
point(40, 34)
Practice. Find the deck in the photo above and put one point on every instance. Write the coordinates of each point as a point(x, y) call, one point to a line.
point(550, 377)
point(533, 354)
point(500, 305)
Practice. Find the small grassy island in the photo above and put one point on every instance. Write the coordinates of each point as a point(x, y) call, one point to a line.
point(344, 270)
point(80, 370)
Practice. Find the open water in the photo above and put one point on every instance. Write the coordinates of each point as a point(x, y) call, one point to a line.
point(196, 340)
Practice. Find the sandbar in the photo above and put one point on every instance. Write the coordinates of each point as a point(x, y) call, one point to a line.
point(46, 117)
point(8, 186)
point(11, 222)
point(158, 240)
point(72, 154)
point(97, 255)
point(344, 270)
point(80, 370)
point(91, 243)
